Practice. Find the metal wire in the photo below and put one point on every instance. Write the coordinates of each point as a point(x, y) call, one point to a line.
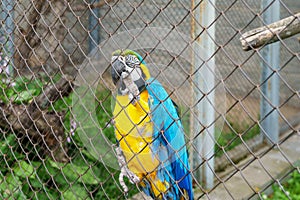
point(49, 66)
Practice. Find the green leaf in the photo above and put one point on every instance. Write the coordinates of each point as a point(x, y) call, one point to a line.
point(23, 169)
point(10, 188)
point(36, 183)
point(73, 173)
point(88, 154)
point(8, 146)
point(62, 104)
point(50, 171)
point(4, 144)
point(47, 195)
point(76, 192)
point(24, 96)
point(9, 93)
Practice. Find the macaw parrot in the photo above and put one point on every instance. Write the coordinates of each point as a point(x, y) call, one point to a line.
point(150, 137)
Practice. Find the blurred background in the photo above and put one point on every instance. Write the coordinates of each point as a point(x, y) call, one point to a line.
point(240, 109)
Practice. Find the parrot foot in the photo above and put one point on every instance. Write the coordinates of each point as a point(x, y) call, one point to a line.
point(134, 179)
point(130, 175)
point(122, 183)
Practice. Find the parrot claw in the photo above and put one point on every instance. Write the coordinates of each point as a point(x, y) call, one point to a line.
point(122, 183)
point(133, 179)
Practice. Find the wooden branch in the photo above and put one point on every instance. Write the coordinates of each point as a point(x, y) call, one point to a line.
point(52, 93)
point(34, 122)
point(46, 131)
point(82, 7)
point(261, 36)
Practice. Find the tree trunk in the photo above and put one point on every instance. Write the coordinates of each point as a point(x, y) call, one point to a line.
point(27, 39)
point(39, 41)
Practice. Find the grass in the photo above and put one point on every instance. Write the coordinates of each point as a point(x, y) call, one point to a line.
point(230, 138)
point(289, 190)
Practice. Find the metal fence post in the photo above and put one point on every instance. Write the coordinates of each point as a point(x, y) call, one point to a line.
point(204, 82)
point(8, 28)
point(94, 37)
point(270, 89)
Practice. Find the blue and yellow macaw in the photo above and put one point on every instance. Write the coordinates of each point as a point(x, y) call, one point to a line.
point(149, 131)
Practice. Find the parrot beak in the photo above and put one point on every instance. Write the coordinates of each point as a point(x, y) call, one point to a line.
point(118, 66)
point(129, 79)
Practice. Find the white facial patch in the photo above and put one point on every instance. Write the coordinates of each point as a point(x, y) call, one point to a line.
point(133, 63)
point(136, 74)
point(114, 58)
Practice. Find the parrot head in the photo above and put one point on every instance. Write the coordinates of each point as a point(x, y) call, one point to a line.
point(130, 63)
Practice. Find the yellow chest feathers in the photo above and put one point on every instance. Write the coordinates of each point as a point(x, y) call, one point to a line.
point(132, 120)
point(133, 129)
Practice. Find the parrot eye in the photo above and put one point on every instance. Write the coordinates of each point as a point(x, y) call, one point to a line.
point(132, 61)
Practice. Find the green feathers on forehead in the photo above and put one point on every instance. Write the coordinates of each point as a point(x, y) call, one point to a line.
point(126, 52)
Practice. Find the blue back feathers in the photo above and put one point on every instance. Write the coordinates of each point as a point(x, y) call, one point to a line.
point(169, 143)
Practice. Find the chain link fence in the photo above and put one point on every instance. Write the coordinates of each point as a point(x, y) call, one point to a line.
point(56, 55)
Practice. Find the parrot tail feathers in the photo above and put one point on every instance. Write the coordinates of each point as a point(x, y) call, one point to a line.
point(161, 185)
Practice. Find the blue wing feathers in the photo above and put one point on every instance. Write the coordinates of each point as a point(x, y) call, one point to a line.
point(169, 144)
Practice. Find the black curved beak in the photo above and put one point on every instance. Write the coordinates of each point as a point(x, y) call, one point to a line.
point(116, 70)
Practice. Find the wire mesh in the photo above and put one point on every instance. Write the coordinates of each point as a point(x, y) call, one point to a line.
point(57, 97)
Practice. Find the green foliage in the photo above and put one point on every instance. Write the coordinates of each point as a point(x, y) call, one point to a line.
point(74, 173)
point(291, 188)
point(26, 176)
point(75, 192)
point(11, 187)
point(104, 112)
point(24, 169)
point(22, 91)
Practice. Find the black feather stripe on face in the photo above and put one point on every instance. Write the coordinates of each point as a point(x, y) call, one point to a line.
point(117, 67)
